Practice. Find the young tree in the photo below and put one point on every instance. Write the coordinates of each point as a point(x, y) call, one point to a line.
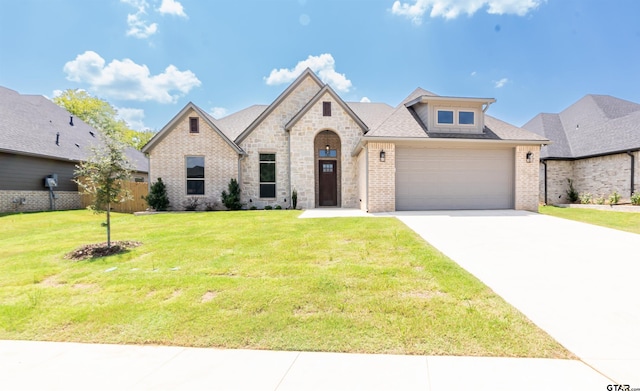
point(157, 197)
point(102, 175)
point(232, 199)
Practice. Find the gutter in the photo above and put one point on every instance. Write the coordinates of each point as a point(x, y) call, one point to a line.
point(544, 162)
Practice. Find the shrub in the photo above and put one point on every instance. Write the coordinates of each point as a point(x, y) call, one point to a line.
point(599, 200)
point(585, 198)
point(635, 198)
point(614, 198)
point(268, 207)
point(231, 200)
point(157, 197)
point(210, 205)
point(278, 207)
point(294, 199)
point(191, 203)
point(572, 194)
point(253, 208)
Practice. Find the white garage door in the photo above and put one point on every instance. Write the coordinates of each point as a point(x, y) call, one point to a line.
point(439, 178)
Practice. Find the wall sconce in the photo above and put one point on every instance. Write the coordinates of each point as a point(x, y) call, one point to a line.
point(327, 148)
point(529, 157)
point(382, 155)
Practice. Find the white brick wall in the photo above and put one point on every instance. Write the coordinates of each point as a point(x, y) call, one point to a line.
point(34, 201)
point(382, 177)
point(526, 181)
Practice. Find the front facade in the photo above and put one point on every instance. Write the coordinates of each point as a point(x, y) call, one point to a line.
point(429, 152)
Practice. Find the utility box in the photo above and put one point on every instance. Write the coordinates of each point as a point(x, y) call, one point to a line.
point(51, 181)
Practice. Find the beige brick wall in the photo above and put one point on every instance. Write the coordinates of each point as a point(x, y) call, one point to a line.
point(362, 178)
point(167, 160)
point(33, 201)
point(382, 178)
point(599, 176)
point(527, 178)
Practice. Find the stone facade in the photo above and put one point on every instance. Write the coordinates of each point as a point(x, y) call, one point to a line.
point(34, 201)
point(526, 177)
point(382, 178)
point(599, 176)
point(167, 160)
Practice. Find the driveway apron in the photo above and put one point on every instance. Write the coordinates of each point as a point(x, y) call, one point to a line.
point(578, 282)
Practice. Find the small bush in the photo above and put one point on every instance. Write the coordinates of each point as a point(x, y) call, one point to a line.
point(599, 200)
point(294, 199)
point(635, 198)
point(210, 205)
point(572, 194)
point(278, 207)
point(191, 203)
point(231, 200)
point(585, 198)
point(614, 198)
point(157, 197)
point(268, 207)
point(253, 208)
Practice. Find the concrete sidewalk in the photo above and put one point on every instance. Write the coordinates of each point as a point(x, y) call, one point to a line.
point(26, 365)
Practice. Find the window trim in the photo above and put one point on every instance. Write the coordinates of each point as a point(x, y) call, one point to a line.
point(275, 173)
point(192, 121)
point(188, 178)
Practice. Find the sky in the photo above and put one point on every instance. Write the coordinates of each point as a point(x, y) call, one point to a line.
point(149, 58)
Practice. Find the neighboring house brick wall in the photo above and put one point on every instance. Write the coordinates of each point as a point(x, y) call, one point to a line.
point(167, 161)
point(382, 178)
point(37, 200)
point(526, 181)
point(270, 137)
point(558, 171)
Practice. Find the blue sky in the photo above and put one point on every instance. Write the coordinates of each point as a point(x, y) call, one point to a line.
point(148, 58)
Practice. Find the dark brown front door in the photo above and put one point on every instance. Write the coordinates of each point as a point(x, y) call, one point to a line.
point(328, 194)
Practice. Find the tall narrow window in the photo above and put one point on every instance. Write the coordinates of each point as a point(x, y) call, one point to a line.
point(267, 175)
point(326, 109)
point(193, 125)
point(195, 175)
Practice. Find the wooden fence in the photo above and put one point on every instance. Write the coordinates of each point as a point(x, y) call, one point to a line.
point(136, 204)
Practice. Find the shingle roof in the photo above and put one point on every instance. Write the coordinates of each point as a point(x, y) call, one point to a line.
point(234, 124)
point(30, 125)
point(594, 125)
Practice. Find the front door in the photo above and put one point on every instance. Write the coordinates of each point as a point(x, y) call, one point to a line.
point(328, 189)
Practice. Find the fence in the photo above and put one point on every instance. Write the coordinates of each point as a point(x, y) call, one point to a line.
point(136, 204)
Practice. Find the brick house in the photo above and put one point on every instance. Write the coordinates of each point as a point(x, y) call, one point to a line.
point(596, 144)
point(429, 152)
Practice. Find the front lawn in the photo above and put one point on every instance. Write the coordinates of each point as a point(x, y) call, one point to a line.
point(624, 221)
point(252, 279)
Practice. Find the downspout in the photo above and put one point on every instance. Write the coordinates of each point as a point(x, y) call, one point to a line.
point(544, 162)
point(633, 174)
point(240, 157)
point(366, 169)
point(289, 165)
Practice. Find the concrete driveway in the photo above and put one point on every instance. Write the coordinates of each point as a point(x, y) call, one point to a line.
point(578, 282)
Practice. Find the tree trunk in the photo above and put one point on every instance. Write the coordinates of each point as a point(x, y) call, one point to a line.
point(109, 225)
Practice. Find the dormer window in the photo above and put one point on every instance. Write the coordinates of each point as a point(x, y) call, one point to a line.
point(466, 118)
point(445, 117)
point(456, 117)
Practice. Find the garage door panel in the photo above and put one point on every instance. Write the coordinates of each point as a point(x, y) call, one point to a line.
point(431, 179)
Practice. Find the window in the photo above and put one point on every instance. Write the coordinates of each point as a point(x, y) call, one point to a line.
point(323, 153)
point(466, 118)
point(195, 175)
point(445, 117)
point(193, 125)
point(326, 109)
point(327, 167)
point(267, 175)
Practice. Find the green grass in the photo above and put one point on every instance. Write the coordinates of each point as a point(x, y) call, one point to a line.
point(257, 280)
point(624, 221)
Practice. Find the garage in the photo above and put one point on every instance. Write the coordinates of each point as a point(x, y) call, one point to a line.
point(454, 178)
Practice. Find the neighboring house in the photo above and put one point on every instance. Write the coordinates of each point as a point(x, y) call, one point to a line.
point(429, 152)
point(40, 139)
point(596, 144)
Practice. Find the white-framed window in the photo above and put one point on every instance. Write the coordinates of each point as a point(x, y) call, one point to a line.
point(461, 117)
point(267, 175)
point(195, 175)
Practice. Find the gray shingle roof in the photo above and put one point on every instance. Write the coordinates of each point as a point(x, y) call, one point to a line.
point(594, 125)
point(234, 124)
point(30, 124)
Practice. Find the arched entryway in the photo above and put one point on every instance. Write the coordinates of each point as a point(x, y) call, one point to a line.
point(327, 150)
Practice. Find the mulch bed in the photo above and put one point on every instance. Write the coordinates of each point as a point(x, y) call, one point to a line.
point(98, 250)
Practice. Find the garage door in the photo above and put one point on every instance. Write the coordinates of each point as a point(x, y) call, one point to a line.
point(439, 178)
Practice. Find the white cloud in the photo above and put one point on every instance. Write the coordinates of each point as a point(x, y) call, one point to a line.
point(218, 112)
point(129, 81)
point(500, 83)
point(133, 117)
point(323, 65)
point(451, 9)
point(365, 99)
point(172, 7)
point(139, 28)
point(474, 73)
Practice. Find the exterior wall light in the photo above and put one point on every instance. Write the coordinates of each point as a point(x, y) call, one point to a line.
point(327, 148)
point(529, 157)
point(382, 155)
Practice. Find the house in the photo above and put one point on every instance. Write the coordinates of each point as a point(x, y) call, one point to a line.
point(429, 152)
point(596, 144)
point(39, 139)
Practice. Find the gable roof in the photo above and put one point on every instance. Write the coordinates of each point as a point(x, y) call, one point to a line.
point(212, 122)
point(307, 73)
point(234, 124)
point(594, 125)
point(31, 124)
point(325, 90)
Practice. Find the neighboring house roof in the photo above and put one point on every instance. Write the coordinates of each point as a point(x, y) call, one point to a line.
point(31, 125)
point(594, 125)
point(212, 122)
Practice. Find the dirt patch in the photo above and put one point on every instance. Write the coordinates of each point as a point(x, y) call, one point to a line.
point(207, 297)
point(51, 282)
point(98, 250)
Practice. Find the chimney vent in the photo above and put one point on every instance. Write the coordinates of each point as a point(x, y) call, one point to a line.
point(71, 120)
point(58, 138)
